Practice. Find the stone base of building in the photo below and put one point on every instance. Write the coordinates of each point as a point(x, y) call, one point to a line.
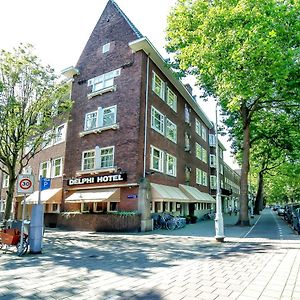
point(146, 225)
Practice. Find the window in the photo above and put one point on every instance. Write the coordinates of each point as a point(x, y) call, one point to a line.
point(212, 140)
point(5, 182)
point(158, 86)
point(201, 153)
point(45, 168)
point(187, 115)
point(157, 120)
point(113, 206)
point(107, 157)
point(103, 81)
point(105, 48)
point(171, 99)
point(109, 115)
point(220, 153)
point(103, 117)
point(187, 146)
point(157, 159)
point(85, 207)
point(47, 140)
point(171, 165)
point(201, 177)
point(100, 206)
point(203, 133)
point(55, 208)
point(91, 120)
point(60, 134)
point(171, 131)
point(88, 160)
point(200, 129)
point(213, 182)
point(212, 160)
point(221, 169)
point(56, 167)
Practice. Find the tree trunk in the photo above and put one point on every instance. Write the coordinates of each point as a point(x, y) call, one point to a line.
point(9, 198)
point(244, 216)
point(259, 195)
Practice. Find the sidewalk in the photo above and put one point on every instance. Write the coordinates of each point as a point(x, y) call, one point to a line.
point(184, 264)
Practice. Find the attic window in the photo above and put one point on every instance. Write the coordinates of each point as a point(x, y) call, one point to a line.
point(105, 48)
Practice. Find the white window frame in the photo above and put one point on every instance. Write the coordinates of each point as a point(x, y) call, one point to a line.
point(160, 158)
point(201, 152)
point(83, 159)
point(114, 119)
point(197, 127)
point(102, 156)
point(53, 168)
point(161, 120)
point(158, 86)
point(47, 143)
point(171, 127)
point(212, 140)
point(213, 182)
point(82, 207)
point(5, 181)
point(201, 177)
point(87, 128)
point(106, 48)
point(171, 99)
point(102, 82)
point(62, 137)
point(47, 164)
point(203, 132)
point(171, 161)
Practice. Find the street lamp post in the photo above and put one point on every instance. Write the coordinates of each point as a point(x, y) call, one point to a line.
point(219, 222)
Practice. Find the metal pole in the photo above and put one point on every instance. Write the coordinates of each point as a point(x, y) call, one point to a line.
point(219, 222)
point(22, 226)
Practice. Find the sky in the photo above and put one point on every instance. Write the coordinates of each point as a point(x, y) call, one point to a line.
point(59, 30)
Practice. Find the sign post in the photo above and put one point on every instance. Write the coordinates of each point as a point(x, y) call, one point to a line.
point(24, 186)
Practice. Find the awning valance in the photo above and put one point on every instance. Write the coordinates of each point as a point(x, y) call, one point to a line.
point(196, 195)
point(165, 193)
point(47, 196)
point(98, 195)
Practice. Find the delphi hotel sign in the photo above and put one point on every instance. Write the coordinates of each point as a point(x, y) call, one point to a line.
point(98, 179)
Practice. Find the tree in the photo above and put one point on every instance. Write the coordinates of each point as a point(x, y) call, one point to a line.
point(31, 103)
point(245, 53)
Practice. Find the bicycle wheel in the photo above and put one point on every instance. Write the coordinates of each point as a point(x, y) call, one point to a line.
point(157, 225)
point(22, 249)
point(171, 224)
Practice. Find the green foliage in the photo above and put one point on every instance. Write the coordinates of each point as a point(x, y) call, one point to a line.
point(246, 54)
point(32, 101)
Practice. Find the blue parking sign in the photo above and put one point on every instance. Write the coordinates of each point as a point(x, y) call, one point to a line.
point(45, 183)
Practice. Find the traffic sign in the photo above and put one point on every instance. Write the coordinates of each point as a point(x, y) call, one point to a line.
point(25, 184)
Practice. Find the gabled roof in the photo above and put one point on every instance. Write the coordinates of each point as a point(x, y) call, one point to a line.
point(136, 31)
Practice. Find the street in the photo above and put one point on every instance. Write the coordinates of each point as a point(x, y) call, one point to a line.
point(261, 262)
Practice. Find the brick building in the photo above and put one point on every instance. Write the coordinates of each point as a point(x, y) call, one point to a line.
point(137, 140)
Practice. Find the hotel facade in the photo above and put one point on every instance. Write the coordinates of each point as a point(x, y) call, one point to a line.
point(136, 139)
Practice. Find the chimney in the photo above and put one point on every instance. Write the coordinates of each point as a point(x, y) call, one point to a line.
point(189, 88)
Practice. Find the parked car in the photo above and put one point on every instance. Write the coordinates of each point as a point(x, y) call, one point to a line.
point(288, 214)
point(296, 220)
point(280, 211)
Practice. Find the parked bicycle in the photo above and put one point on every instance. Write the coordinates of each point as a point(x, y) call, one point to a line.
point(209, 216)
point(167, 221)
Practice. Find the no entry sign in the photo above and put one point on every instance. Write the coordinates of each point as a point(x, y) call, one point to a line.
point(25, 184)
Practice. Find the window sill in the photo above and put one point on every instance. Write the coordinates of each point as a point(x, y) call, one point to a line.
point(112, 88)
point(99, 129)
point(98, 171)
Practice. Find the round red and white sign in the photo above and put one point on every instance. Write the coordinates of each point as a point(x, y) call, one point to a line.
point(25, 183)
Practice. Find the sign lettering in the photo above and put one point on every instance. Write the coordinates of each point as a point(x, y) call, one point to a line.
point(98, 179)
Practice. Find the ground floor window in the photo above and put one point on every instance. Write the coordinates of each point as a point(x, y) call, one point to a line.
point(158, 207)
point(100, 207)
point(113, 206)
point(85, 207)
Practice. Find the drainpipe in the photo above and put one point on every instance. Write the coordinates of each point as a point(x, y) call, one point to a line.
point(146, 116)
